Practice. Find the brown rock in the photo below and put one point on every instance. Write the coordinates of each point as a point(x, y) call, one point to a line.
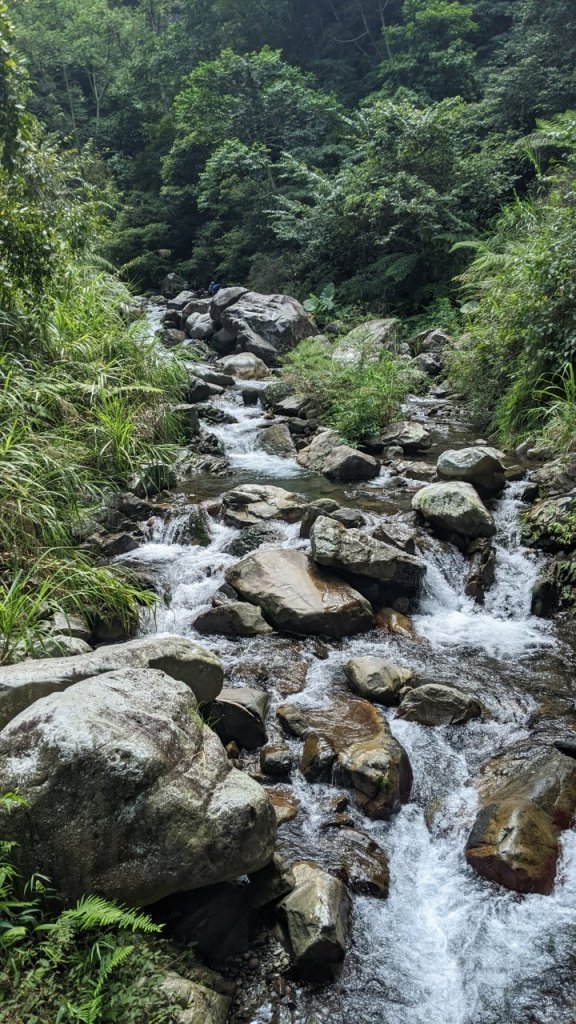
point(369, 760)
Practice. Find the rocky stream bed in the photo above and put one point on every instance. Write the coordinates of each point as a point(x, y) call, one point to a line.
point(410, 718)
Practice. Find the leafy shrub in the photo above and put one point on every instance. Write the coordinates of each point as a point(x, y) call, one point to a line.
point(356, 399)
point(522, 328)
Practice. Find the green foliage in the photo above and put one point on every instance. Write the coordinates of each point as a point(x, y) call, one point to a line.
point(356, 399)
point(80, 965)
point(523, 327)
point(431, 51)
point(81, 405)
point(321, 306)
point(386, 223)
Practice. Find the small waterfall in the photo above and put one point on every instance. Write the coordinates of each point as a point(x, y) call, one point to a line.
point(241, 442)
point(504, 627)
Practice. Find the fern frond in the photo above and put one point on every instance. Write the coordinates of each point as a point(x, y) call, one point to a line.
point(96, 912)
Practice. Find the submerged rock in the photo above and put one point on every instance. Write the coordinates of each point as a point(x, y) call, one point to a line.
point(21, 685)
point(127, 793)
point(357, 860)
point(276, 760)
point(316, 915)
point(377, 679)
point(481, 572)
point(454, 508)
point(297, 597)
point(434, 704)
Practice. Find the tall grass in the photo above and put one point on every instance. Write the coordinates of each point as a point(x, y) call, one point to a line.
point(83, 399)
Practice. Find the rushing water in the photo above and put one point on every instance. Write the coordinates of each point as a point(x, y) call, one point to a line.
point(446, 947)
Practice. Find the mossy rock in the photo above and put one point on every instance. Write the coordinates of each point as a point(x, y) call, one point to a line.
point(551, 525)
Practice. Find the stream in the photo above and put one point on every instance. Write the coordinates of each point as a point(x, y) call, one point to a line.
point(446, 947)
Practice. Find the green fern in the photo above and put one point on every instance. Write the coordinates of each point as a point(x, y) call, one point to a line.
point(96, 912)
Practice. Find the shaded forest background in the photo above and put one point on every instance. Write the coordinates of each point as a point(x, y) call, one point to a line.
point(287, 144)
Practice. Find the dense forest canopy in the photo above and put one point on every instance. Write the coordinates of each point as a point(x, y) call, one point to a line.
point(345, 140)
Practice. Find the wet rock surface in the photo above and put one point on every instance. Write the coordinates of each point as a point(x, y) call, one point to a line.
point(295, 596)
point(355, 553)
point(200, 669)
point(434, 704)
point(324, 788)
point(316, 915)
point(527, 796)
point(368, 758)
point(377, 680)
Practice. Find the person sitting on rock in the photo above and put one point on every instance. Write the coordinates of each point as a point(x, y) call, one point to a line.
point(214, 288)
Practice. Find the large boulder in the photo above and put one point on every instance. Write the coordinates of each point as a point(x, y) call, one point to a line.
point(454, 508)
point(348, 517)
point(346, 463)
point(368, 760)
point(314, 456)
point(316, 916)
point(203, 998)
point(377, 679)
point(481, 466)
point(355, 553)
point(127, 793)
point(266, 325)
point(253, 504)
point(365, 343)
point(296, 596)
point(245, 366)
point(224, 297)
point(277, 440)
point(527, 796)
point(21, 685)
point(199, 327)
point(435, 704)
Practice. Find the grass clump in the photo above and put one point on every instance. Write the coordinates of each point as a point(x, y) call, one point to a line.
point(83, 402)
point(356, 398)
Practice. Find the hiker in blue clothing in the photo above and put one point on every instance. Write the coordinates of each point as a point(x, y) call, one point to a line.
point(214, 288)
